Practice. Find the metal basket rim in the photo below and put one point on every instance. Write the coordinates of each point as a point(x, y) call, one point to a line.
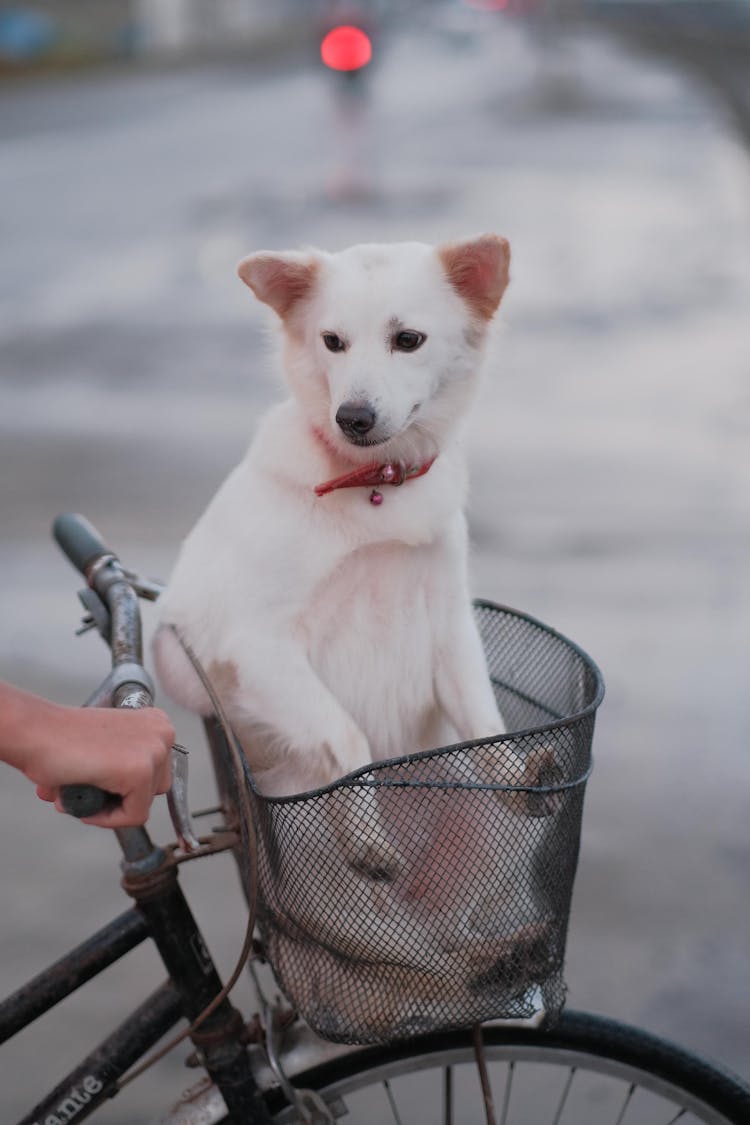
point(353, 779)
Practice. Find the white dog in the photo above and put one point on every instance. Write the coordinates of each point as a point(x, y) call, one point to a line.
point(325, 588)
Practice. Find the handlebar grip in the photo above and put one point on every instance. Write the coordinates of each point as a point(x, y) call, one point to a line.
point(79, 540)
point(86, 800)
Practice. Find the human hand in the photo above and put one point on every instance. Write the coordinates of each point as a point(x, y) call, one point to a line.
point(126, 752)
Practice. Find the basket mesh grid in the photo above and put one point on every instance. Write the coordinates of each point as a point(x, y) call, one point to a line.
point(468, 921)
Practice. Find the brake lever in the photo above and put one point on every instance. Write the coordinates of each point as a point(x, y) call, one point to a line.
point(150, 589)
point(177, 801)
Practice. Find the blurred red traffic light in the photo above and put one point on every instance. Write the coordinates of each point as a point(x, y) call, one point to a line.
point(346, 48)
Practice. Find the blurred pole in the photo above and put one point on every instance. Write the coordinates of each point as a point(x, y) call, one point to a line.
point(559, 82)
point(346, 50)
point(352, 174)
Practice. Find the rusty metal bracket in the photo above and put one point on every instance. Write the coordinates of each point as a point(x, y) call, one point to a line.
point(310, 1106)
point(222, 841)
point(232, 1029)
point(151, 883)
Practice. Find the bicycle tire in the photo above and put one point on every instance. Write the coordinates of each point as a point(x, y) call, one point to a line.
point(595, 1070)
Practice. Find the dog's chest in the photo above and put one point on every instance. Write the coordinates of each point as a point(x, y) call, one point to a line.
point(371, 630)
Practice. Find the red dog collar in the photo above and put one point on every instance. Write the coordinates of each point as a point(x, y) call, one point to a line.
point(392, 472)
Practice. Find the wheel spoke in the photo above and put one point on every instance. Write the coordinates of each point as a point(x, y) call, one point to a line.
point(508, 1087)
point(624, 1110)
point(392, 1102)
point(564, 1098)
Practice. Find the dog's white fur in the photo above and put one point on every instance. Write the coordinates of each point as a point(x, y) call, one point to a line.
point(338, 632)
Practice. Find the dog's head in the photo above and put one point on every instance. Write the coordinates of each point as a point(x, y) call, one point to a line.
point(384, 342)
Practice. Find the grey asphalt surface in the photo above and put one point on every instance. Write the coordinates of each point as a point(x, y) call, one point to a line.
point(610, 453)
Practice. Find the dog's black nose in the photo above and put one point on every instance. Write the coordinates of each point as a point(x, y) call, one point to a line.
point(355, 419)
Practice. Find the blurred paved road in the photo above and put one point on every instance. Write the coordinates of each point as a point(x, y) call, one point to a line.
point(610, 457)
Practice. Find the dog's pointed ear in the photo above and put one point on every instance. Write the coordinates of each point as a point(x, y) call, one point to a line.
point(279, 280)
point(478, 271)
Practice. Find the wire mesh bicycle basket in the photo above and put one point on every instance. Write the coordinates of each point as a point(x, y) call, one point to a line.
point(470, 923)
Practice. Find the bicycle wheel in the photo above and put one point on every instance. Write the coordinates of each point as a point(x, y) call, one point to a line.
point(589, 1070)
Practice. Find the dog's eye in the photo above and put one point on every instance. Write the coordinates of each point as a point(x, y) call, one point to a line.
point(408, 341)
point(333, 342)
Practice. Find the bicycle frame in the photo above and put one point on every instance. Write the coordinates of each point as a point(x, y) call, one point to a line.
point(161, 911)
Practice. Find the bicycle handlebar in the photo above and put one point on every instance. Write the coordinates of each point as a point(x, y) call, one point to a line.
point(86, 800)
point(79, 540)
point(83, 546)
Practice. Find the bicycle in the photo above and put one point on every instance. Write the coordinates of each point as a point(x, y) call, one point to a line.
point(544, 1065)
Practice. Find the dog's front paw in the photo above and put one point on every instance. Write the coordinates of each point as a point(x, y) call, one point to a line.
point(542, 775)
point(364, 840)
point(361, 835)
point(376, 859)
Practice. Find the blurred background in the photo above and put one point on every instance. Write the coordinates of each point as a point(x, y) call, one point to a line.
point(147, 145)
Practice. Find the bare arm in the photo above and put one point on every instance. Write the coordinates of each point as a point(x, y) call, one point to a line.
point(124, 752)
